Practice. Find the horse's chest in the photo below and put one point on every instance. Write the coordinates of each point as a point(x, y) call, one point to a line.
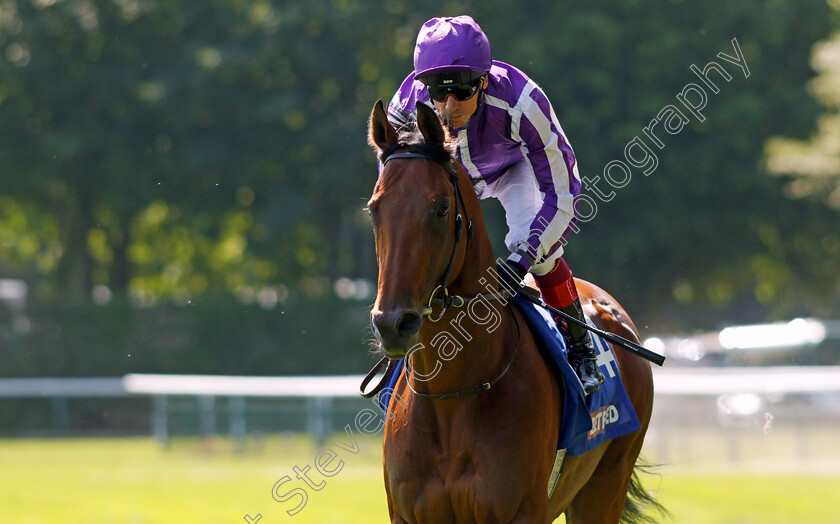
point(434, 485)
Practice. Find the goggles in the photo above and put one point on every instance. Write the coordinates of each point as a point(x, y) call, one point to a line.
point(442, 85)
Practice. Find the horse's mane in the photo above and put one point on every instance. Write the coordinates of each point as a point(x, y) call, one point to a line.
point(409, 139)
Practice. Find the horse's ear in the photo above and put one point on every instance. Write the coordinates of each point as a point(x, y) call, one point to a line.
point(381, 133)
point(429, 124)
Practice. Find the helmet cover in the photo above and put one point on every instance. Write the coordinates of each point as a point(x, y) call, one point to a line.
point(451, 44)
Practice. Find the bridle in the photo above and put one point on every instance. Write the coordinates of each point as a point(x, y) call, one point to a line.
point(446, 300)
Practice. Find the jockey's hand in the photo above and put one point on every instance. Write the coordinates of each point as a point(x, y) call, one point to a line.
point(511, 275)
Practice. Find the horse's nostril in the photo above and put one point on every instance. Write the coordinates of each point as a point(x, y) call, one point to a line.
point(379, 323)
point(408, 323)
point(396, 329)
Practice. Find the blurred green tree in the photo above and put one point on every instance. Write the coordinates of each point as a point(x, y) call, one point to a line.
point(814, 164)
point(170, 149)
point(707, 237)
point(137, 126)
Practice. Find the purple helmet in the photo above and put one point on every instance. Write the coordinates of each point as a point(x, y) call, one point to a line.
point(451, 44)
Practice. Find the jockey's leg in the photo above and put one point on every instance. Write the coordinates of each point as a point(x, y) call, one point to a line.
point(558, 290)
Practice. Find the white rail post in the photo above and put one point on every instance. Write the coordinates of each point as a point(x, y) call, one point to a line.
point(60, 414)
point(238, 428)
point(318, 418)
point(160, 427)
point(207, 415)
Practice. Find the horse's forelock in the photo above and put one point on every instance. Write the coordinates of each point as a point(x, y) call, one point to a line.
point(410, 139)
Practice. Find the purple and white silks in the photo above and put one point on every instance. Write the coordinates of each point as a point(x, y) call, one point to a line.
point(513, 149)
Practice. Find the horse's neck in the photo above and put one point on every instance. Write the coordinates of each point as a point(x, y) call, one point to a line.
point(468, 347)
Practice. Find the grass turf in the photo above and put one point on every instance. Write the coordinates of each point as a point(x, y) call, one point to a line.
point(134, 481)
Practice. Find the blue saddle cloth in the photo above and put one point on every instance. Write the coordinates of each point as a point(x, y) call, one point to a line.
point(588, 421)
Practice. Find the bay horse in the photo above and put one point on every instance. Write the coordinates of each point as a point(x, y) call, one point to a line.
point(472, 431)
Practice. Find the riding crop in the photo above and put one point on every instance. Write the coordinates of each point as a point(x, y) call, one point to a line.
point(533, 296)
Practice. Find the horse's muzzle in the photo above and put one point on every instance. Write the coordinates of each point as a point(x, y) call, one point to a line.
point(396, 330)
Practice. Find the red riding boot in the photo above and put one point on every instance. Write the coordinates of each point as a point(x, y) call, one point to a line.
point(558, 290)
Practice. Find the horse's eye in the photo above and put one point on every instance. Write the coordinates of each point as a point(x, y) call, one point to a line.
point(440, 206)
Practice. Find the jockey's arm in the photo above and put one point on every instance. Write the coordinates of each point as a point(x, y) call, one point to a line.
point(555, 168)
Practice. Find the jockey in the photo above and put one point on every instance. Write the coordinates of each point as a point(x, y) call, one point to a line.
point(513, 148)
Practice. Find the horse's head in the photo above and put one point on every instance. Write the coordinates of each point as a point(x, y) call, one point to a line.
point(418, 222)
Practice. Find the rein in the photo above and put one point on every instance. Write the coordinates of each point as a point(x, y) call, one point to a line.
point(477, 389)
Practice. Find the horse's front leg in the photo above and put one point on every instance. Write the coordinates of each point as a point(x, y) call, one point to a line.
point(392, 512)
point(529, 519)
point(532, 514)
point(395, 517)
